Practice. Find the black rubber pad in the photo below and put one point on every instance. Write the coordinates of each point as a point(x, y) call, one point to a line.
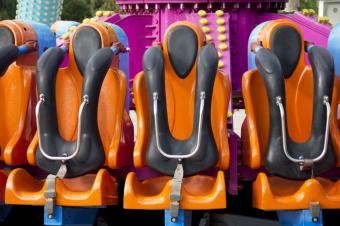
point(182, 48)
point(286, 44)
point(207, 153)
point(91, 155)
point(6, 37)
point(275, 160)
point(86, 41)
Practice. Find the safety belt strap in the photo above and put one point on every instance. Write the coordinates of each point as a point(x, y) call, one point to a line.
point(175, 195)
point(315, 210)
point(50, 191)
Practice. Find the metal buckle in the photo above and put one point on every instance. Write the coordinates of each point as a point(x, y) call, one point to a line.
point(304, 163)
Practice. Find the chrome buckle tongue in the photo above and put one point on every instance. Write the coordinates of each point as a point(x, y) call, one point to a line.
point(50, 191)
point(307, 164)
point(175, 195)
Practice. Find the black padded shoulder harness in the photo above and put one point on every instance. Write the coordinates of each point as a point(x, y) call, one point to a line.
point(8, 51)
point(276, 161)
point(91, 153)
point(206, 155)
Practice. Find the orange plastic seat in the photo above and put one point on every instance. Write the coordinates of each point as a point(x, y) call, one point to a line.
point(198, 191)
point(273, 192)
point(88, 190)
point(115, 129)
point(17, 123)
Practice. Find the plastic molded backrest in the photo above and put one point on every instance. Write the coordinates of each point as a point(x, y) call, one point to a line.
point(299, 94)
point(180, 81)
point(111, 99)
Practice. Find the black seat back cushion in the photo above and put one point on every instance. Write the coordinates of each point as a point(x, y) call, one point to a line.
point(6, 37)
point(8, 51)
point(8, 55)
point(86, 41)
point(286, 45)
point(91, 155)
point(207, 154)
point(275, 160)
point(182, 49)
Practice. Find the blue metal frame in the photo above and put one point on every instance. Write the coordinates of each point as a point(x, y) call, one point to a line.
point(63, 215)
point(64, 27)
point(334, 47)
point(45, 37)
point(253, 38)
point(298, 218)
point(184, 218)
point(4, 211)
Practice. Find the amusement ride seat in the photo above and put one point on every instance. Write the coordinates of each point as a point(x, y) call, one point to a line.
point(181, 104)
point(21, 43)
point(291, 127)
point(73, 145)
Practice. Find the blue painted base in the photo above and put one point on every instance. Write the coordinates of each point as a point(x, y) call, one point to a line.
point(184, 218)
point(84, 216)
point(298, 218)
point(4, 211)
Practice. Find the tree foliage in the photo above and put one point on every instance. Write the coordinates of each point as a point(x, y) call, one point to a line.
point(308, 4)
point(77, 10)
point(72, 9)
point(7, 9)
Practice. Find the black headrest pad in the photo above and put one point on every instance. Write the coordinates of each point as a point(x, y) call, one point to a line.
point(86, 41)
point(182, 47)
point(286, 44)
point(6, 37)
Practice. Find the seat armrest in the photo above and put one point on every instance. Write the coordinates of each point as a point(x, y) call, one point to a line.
point(251, 155)
point(32, 149)
point(121, 146)
point(140, 98)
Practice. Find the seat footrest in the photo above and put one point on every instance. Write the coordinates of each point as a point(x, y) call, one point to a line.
point(89, 190)
point(274, 193)
point(198, 193)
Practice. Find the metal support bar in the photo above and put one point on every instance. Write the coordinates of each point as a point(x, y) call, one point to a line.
point(199, 133)
point(42, 100)
point(184, 218)
point(305, 164)
point(300, 217)
point(84, 216)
